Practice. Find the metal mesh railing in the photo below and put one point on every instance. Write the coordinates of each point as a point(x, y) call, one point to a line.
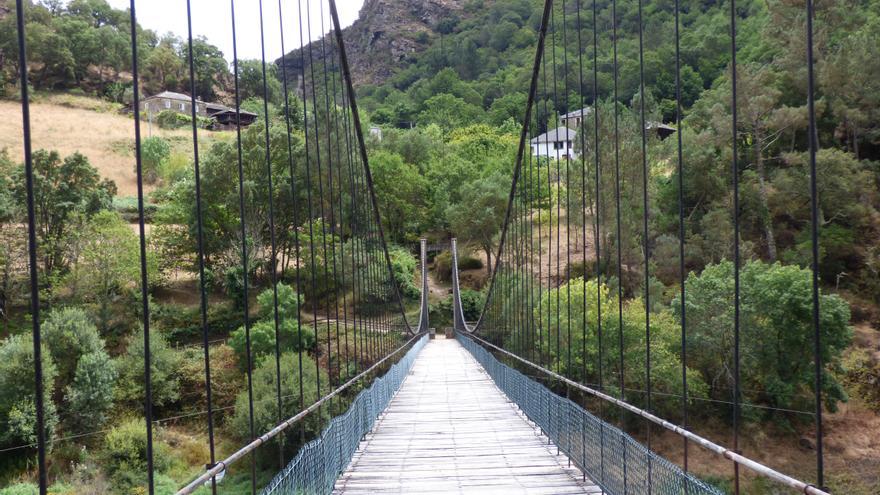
point(610, 457)
point(317, 465)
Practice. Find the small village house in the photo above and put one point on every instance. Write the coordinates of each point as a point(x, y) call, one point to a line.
point(557, 143)
point(223, 116)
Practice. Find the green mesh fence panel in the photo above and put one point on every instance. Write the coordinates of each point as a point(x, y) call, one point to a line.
point(317, 465)
point(610, 457)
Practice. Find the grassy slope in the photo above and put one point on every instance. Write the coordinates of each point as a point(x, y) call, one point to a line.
point(68, 124)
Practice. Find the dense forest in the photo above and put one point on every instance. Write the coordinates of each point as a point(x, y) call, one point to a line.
point(442, 163)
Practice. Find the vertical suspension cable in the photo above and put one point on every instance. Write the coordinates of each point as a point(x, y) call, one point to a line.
point(32, 241)
point(145, 301)
point(643, 125)
point(295, 207)
point(622, 377)
point(736, 253)
point(681, 234)
point(310, 219)
point(244, 251)
point(598, 226)
point(332, 207)
point(273, 256)
point(200, 242)
point(814, 245)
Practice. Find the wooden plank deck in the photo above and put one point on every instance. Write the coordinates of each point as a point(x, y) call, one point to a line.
point(451, 430)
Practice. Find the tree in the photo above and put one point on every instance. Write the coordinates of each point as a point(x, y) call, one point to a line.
point(105, 266)
point(776, 334)
point(17, 407)
point(90, 396)
point(70, 334)
point(212, 71)
point(250, 80)
point(403, 201)
point(449, 112)
point(665, 342)
point(266, 414)
point(154, 151)
point(65, 191)
point(262, 332)
point(163, 69)
point(480, 214)
point(164, 369)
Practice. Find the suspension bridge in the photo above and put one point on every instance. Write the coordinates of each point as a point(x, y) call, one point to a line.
point(498, 406)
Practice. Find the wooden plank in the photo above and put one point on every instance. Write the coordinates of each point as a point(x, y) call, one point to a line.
point(450, 430)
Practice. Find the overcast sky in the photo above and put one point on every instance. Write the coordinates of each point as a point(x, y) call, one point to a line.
point(212, 19)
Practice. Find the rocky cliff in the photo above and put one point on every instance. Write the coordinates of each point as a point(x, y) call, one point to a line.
point(385, 34)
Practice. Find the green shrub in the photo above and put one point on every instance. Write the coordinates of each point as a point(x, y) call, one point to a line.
point(469, 263)
point(263, 329)
point(443, 265)
point(124, 455)
point(169, 119)
point(17, 409)
point(403, 266)
point(154, 151)
point(164, 371)
point(265, 401)
point(127, 207)
point(21, 489)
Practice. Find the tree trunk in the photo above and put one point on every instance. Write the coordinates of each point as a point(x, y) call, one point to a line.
point(488, 260)
point(767, 220)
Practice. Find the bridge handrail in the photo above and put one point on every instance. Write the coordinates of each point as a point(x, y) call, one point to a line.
point(221, 466)
point(707, 444)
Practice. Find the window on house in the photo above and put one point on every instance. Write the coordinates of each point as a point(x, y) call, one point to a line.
point(557, 145)
point(569, 144)
point(167, 104)
point(182, 107)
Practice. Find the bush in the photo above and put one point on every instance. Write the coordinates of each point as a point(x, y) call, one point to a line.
point(164, 371)
point(469, 263)
point(443, 265)
point(127, 207)
point(124, 455)
point(776, 333)
point(154, 151)
point(17, 409)
point(21, 489)
point(265, 400)
point(471, 304)
point(403, 266)
point(90, 396)
point(263, 329)
point(169, 119)
point(70, 333)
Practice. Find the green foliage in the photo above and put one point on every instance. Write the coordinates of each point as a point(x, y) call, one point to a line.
point(170, 119)
point(262, 332)
point(154, 152)
point(480, 214)
point(776, 334)
point(404, 200)
point(105, 270)
point(59, 206)
point(564, 342)
point(124, 455)
point(266, 413)
point(21, 489)
point(90, 396)
point(403, 268)
point(70, 334)
point(164, 372)
point(17, 408)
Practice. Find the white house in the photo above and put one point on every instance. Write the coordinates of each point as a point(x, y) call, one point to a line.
point(557, 143)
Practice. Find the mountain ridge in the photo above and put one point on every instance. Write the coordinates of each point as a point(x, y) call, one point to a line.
point(385, 35)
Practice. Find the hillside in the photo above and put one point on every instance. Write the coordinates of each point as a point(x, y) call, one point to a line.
point(386, 36)
point(76, 124)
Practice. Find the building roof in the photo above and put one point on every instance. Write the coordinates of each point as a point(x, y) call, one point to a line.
point(555, 136)
point(171, 95)
point(231, 111)
point(583, 112)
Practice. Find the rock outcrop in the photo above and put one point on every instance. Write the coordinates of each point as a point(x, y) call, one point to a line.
point(385, 35)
